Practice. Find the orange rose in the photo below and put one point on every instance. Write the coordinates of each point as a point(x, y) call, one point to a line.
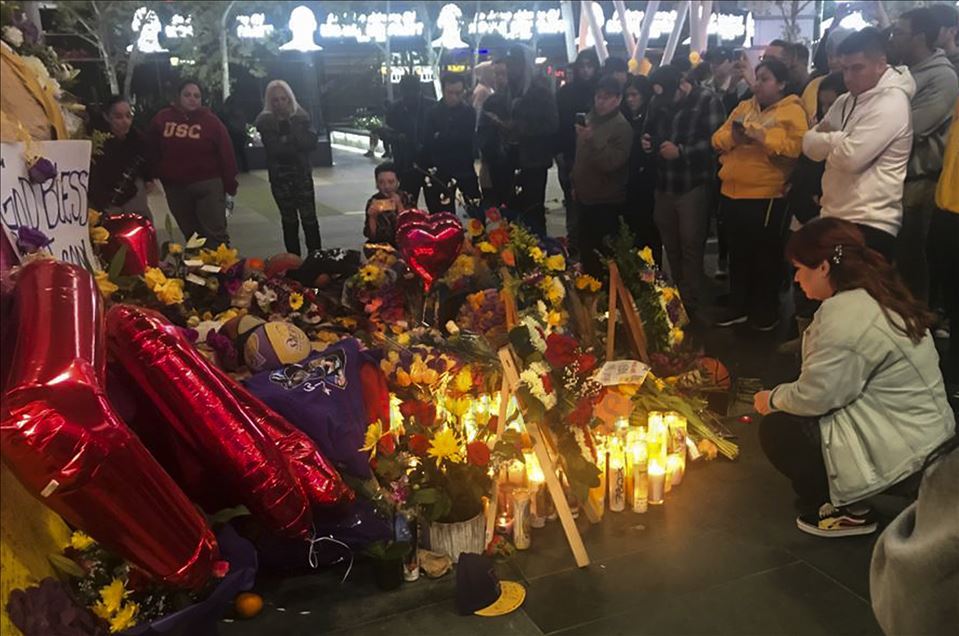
point(508, 257)
point(499, 237)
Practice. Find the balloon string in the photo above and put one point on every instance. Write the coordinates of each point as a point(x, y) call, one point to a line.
point(314, 558)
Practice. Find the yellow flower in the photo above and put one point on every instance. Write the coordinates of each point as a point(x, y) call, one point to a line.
point(101, 610)
point(445, 445)
point(537, 254)
point(554, 319)
point(475, 228)
point(296, 301)
point(125, 618)
point(93, 217)
point(99, 235)
point(174, 248)
point(403, 339)
point(647, 255)
point(629, 390)
point(676, 335)
point(554, 290)
point(80, 540)
point(107, 286)
point(113, 594)
point(370, 274)
point(458, 406)
point(464, 380)
point(668, 294)
point(556, 263)
point(588, 283)
point(222, 256)
point(403, 378)
point(171, 292)
point(154, 277)
point(227, 315)
point(373, 434)
point(487, 247)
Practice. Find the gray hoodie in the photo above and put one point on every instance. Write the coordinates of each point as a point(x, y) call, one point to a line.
point(936, 92)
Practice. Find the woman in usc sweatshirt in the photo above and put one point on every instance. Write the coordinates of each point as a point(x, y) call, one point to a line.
point(195, 163)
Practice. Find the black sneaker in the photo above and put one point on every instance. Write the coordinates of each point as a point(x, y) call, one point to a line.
point(837, 522)
point(730, 318)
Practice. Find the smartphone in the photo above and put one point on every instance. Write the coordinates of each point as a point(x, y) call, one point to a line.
point(580, 119)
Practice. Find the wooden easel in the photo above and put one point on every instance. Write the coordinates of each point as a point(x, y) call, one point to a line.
point(622, 299)
point(542, 438)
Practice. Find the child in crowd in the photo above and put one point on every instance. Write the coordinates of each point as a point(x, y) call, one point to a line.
point(383, 207)
point(870, 402)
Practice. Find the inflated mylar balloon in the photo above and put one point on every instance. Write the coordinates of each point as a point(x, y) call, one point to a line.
point(138, 235)
point(62, 439)
point(201, 408)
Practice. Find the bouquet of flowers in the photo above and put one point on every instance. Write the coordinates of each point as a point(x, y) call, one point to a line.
point(657, 300)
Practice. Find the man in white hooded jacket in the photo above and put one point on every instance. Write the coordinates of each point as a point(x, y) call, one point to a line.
point(865, 140)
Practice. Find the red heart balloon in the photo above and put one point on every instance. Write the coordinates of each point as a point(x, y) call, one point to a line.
point(430, 245)
point(140, 238)
point(409, 216)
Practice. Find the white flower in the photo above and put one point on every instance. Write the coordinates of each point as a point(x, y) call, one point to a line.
point(265, 298)
point(13, 36)
point(47, 83)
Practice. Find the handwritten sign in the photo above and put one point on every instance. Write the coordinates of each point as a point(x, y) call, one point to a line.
point(58, 208)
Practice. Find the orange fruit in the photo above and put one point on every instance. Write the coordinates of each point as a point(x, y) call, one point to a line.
point(248, 604)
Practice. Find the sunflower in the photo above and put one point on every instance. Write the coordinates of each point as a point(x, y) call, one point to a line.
point(296, 301)
point(112, 595)
point(80, 540)
point(125, 618)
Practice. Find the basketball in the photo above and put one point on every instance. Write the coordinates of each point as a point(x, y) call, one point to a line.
point(715, 372)
point(274, 345)
point(236, 328)
point(279, 265)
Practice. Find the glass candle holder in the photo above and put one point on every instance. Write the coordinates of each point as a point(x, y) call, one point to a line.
point(657, 482)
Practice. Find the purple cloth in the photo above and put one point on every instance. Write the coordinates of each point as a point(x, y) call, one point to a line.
point(323, 397)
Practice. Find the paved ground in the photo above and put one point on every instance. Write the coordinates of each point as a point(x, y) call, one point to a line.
point(723, 556)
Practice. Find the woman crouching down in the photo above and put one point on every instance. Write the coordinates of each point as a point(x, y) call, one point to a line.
point(870, 403)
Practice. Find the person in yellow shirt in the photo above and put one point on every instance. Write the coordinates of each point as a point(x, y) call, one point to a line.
point(759, 145)
point(944, 238)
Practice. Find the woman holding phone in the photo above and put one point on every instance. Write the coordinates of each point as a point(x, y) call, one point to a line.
point(759, 145)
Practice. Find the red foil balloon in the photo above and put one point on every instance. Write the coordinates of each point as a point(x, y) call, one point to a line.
point(138, 235)
point(8, 319)
point(429, 246)
point(62, 439)
point(319, 479)
point(204, 413)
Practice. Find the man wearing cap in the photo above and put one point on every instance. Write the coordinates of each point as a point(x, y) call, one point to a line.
point(600, 172)
point(682, 122)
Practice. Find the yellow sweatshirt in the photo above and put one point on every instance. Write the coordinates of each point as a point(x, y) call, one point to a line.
point(947, 192)
point(810, 98)
point(759, 169)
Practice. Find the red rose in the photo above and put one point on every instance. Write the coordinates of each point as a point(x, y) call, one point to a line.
point(493, 215)
point(221, 568)
point(419, 444)
point(560, 350)
point(386, 445)
point(587, 362)
point(547, 383)
point(477, 453)
point(423, 412)
point(582, 414)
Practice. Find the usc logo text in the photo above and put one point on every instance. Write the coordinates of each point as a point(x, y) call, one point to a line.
point(173, 129)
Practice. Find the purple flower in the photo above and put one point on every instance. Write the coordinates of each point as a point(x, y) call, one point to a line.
point(190, 334)
point(30, 240)
point(41, 171)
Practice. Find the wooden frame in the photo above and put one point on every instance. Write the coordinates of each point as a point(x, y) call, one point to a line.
point(543, 443)
point(621, 299)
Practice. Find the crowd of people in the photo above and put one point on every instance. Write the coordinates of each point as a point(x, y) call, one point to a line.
point(845, 179)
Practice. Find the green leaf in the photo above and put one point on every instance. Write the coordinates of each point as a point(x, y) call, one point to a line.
point(66, 565)
point(116, 264)
point(426, 496)
point(169, 227)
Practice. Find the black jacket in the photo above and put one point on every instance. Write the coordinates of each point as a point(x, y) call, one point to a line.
point(405, 130)
point(448, 143)
point(113, 173)
point(572, 98)
point(288, 142)
point(530, 139)
point(641, 182)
